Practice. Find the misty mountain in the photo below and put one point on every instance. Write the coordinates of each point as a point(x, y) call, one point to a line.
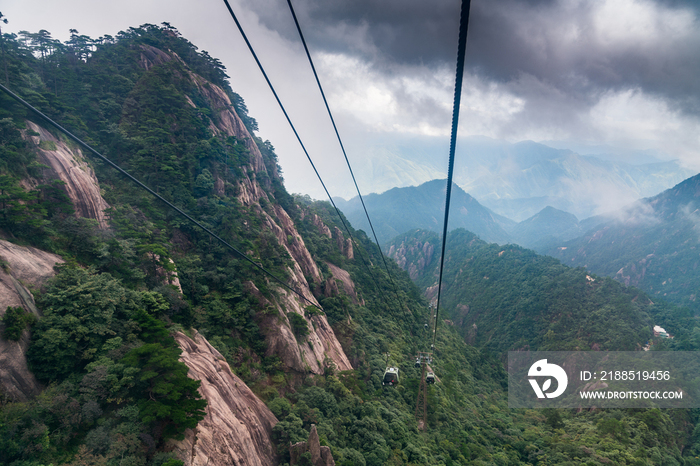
point(547, 226)
point(653, 244)
point(422, 207)
point(519, 180)
point(401, 209)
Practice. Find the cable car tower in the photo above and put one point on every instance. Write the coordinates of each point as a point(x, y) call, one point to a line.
point(422, 361)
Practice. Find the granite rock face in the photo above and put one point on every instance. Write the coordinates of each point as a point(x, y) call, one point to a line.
point(321, 347)
point(22, 268)
point(67, 164)
point(237, 427)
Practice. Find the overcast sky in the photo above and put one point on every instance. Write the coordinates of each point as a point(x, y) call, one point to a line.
point(620, 72)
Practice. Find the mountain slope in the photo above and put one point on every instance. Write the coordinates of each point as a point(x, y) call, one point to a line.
point(402, 209)
point(113, 348)
point(517, 180)
point(547, 226)
point(506, 298)
point(653, 244)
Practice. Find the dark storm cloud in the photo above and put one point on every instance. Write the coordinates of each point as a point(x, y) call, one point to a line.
point(509, 39)
point(506, 42)
point(406, 31)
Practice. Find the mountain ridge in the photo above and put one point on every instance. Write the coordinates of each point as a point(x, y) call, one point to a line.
point(653, 244)
point(517, 180)
point(426, 202)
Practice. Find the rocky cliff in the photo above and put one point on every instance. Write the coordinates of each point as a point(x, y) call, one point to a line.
point(23, 268)
point(66, 163)
point(413, 253)
point(237, 426)
point(319, 456)
point(321, 347)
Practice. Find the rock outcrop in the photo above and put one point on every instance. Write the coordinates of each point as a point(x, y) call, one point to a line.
point(312, 353)
point(22, 267)
point(151, 56)
point(322, 227)
point(67, 164)
point(237, 427)
point(319, 456)
point(348, 286)
point(321, 346)
point(226, 121)
point(414, 256)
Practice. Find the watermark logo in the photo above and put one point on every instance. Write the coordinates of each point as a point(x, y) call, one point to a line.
point(543, 369)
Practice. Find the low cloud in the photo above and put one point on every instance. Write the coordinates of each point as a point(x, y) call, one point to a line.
point(691, 213)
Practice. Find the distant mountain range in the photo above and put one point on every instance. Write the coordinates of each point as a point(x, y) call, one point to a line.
point(401, 209)
point(653, 244)
point(518, 180)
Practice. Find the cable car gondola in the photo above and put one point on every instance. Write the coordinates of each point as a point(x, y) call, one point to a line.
point(430, 378)
point(391, 376)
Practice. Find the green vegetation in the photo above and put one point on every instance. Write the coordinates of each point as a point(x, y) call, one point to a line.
point(507, 298)
point(16, 319)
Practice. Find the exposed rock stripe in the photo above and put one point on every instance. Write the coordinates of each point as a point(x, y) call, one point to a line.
point(68, 165)
point(23, 266)
point(237, 427)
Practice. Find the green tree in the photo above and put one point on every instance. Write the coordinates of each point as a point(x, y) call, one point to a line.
point(16, 319)
point(82, 310)
point(166, 396)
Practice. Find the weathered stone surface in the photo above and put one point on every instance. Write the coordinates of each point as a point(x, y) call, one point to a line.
point(23, 267)
point(151, 56)
point(226, 120)
point(348, 285)
point(349, 251)
point(319, 348)
point(289, 237)
point(339, 239)
point(322, 227)
point(422, 254)
point(320, 456)
point(237, 427)
point(67, 164)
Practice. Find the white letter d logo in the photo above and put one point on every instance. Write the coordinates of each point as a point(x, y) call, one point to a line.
point(542, 369)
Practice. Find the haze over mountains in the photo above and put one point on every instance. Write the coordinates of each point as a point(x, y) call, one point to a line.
point(653, 244)
point(519, 180)
point(401, 209)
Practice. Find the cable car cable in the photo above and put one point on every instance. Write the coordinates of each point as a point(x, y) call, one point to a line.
point(158, 196)
point(342, 147)
point(279, 102)
point(461, 51)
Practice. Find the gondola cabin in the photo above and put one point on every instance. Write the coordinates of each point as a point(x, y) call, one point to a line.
point(430, 378)
point(417, 363)
point(391, 376)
